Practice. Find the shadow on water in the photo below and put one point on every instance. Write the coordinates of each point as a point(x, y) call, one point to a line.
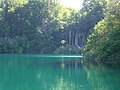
point(102, 77)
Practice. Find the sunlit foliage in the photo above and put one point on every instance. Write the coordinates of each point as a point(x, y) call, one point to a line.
point(103, 44)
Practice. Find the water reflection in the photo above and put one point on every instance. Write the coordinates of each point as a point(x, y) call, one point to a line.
point(21, 72)
point(103, 77)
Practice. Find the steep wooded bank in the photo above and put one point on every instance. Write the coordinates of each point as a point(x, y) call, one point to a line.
point(40, 26)
point(104, 43)
point(46, 27)
point(33, 26)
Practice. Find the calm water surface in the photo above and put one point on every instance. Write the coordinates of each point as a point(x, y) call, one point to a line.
point(35, 72)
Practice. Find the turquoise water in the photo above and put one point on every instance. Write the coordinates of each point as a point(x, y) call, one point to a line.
point(37, 72)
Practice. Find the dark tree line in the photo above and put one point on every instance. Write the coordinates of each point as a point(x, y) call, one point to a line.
point(32, 26)
point(46, 27)
point(104, 43)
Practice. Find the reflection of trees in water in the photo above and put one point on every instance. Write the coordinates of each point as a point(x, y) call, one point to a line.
point(103, 78)
point(30, 73)
point(72, 76)
point(71, 63)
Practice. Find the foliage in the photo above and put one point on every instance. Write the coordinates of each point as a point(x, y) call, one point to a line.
point(68, 49)
point(21, 26)
point(16, 45)
point(38, 26)
point(103, 44)
point(91, 14)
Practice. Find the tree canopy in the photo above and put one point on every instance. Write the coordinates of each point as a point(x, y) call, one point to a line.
point(39, 26)
point(103, 43)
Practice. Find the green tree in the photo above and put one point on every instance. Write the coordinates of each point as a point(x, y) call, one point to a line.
point(103, 44)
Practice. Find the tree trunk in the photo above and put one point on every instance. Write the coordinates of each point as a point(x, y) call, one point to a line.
point(69, 37)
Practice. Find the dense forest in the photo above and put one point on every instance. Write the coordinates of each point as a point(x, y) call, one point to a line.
point(104, 43)
point(35, 26)
point(47, 27)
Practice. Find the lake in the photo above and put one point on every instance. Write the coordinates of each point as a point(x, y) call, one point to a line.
point(50, 72)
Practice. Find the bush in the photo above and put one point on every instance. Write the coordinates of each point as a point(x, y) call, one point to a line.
point(68, 49)
point(15, 45)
